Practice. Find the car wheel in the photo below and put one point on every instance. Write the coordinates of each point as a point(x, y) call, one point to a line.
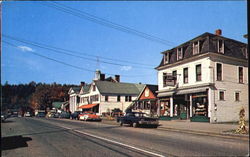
point(135, 125)
point(121, 124)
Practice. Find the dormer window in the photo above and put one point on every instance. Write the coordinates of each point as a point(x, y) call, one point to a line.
point(179, 53)
point(196, 49)
point(221, 46)
point(166, 58)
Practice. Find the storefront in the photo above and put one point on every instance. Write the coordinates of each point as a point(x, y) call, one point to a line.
point(184, 104)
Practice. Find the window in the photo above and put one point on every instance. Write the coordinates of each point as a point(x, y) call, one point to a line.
point(198, 72)
point(174, 73)
point(221, 95)
point(237, 96)
point(126, 98)
point(185, 76)
point(130, 98)
point(220, 46)
point(106, 98)
point(219, 71)
point(166, 58)
point(240, 74)
point(196, 48)
point(94, 88)
point(118, 98)
point(179, 53)
point(164, 79)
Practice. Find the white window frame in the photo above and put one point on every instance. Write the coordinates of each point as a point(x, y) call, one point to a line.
point(184, 74)
point(198, 50)
point(224, 91)
point(216, 71)
point(223, 46)
point(196, 72)
point(235, 96)
point(181, 50)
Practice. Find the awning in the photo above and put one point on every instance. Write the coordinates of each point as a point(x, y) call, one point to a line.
point(165, 94)
point(182, 91)
point(87, 106)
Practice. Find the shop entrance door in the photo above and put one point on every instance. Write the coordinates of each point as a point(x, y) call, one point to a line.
point(181, 110)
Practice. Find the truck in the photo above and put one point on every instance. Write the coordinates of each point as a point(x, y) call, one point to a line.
point(136, 119)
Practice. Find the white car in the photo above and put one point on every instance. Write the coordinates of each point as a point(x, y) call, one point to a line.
point(27, 114)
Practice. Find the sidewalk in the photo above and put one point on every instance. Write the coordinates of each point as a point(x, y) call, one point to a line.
point(202, 128)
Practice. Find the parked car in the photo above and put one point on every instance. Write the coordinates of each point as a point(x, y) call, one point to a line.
point(89, 116)
point(75, 115)
point(56, 115)
point(27, 114)
point(40, 114)
point(136, 119)
point(64, 115)
point(4, 116)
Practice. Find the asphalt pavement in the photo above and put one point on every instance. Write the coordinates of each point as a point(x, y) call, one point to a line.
point(27, 136)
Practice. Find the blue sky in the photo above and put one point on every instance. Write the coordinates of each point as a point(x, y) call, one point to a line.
point(176, 22)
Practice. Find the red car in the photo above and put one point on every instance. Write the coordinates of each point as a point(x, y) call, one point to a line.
point(91, 116)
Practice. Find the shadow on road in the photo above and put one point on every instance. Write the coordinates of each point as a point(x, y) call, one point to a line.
point(14, 142)
point(7, 121)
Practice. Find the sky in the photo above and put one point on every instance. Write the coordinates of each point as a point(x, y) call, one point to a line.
point(81, 45)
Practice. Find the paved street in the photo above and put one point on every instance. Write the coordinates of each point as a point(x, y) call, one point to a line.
point(56, 137)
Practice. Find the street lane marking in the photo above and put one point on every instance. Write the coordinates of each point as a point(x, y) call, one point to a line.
point(111, 141)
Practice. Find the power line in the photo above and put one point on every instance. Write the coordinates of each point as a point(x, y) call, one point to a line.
point(106, 23)
point(66, 52)
point(72, 53)
point(73, 66)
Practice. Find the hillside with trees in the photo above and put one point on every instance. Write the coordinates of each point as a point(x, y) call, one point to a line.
point(32, 95)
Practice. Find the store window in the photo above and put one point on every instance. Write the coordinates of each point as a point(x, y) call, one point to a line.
point(106, 98)
point(185, 76)
point(200, 104)
point(118, 98)
point(198, 72)
point(219, 71)
point(221, 95)
point(240, 74)
point(237, 96)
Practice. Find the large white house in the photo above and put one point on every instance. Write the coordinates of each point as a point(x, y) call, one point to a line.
point(105, 94)
point(204, 79)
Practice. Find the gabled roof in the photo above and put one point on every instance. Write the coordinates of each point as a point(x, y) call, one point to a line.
point(85, 89)
point(208, 43)
point(75, 90)
point(106, 87)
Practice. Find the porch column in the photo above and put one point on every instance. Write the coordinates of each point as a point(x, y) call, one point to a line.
point(158, 107)
point(191, 105)
point(209, 96)
point(171, 106)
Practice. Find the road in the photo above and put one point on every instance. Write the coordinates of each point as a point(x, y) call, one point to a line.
point(26, 136)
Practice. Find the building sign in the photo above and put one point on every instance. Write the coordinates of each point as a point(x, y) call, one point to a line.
point(169, 79)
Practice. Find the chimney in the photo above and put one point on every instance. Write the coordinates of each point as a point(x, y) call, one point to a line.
point(97, 75)
point(82, 84)
point(102, 77)
point(117, 78)
point(218, 32)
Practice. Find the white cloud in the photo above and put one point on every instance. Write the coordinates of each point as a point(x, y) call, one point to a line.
point(126, 68)
point(26, 48)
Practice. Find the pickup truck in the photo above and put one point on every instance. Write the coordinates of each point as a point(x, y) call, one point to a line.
point(136, 119)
